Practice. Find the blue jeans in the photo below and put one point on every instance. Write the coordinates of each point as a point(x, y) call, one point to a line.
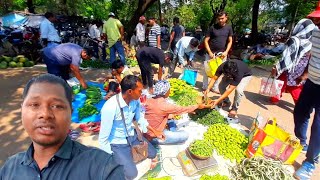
point(56, 69)
point(309, 99)
point(172, 137)
point(117, 47)
point(122, 155)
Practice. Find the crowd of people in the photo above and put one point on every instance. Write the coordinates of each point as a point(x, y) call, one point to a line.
point(46, 107)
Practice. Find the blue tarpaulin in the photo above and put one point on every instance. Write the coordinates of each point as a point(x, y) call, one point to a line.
point(79, 101)
point(11, 19)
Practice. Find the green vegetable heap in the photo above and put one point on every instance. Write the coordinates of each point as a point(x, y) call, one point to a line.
point(87, 110)
point(227, 141)
point(131, 62)
point(208, 117)
point(215, 177)
point(93, 95)
point(257, 168)
point(201, 148)
point(15, 62)
point(182, 93)
point(160, 178)
point(95, 64)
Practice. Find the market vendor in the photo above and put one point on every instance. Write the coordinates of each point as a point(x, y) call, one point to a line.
point(119, 70)
point(145, 57)
point(158, 110)
point(60, 59)
point(236, 77)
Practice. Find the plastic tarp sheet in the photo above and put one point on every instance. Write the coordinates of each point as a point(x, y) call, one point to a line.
point(79, 101)
point(13, 19)
point(34, 21)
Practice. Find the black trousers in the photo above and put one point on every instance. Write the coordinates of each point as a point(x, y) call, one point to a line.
point(146, 72)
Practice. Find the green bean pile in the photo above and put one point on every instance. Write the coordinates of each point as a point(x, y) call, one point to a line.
point(215, 177)
point(182, 93)
point(258, 168)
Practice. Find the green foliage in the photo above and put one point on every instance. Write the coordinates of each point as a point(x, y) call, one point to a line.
point(187, 16)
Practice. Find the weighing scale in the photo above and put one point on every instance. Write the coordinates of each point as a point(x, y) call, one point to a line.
point(192, 166)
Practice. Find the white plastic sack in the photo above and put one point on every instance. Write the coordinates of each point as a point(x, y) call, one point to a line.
point(271, 87)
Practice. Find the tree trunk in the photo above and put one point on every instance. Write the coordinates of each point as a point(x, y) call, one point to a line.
point(30, 6)
point(216, 10)
point(143, 5)
point(255, 15)
point(160, 15)
point(293, 18)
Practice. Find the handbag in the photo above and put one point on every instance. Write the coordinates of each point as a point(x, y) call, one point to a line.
point(140, 151)
point(271, 87)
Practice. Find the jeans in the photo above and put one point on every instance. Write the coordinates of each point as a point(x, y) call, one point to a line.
point(117, 47)
point(205, 79)
point(56, 69)
point(309, 99)
point(172, 137)
point(225, 82)
point(122, 155)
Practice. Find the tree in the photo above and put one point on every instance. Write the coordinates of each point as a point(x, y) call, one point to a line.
point(143, 5)
point(255, 14)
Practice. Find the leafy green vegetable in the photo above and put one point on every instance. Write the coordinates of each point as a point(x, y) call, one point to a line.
point(95, 64)
point(182, 93)
point(207, 117)
point(87, 110)
point(215, 177)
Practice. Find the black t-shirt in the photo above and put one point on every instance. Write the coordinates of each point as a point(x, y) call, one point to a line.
point(151, 54)
point(235, 79)
point(219, 37)
point(178, 32)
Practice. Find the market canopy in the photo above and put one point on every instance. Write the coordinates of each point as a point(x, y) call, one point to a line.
point(13, 19)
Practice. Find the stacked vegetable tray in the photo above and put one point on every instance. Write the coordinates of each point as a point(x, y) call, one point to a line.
point(87, 104)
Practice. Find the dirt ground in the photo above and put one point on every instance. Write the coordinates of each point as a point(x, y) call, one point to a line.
point(13, 138)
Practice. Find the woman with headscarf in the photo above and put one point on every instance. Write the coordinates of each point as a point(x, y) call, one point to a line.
point(292, 68)
point(157, 114)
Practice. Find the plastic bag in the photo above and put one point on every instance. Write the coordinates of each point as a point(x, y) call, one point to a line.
point(271, 87)
point(212, 65)
point(189, 76)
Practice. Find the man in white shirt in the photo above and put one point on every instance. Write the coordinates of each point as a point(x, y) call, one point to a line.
point(95, 34)
point(49, 34)
point(141, 31)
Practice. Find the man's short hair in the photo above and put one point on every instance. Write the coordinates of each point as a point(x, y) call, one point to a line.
point(117, 64)
point(194, 42)
point(230, 68)
point(51, 79)
point(129, 82)
point(48, 15)
point(176, 20)
point(221, 13)
point(168, 55)
point(89, 51)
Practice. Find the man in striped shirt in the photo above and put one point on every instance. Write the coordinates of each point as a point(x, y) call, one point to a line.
point(309, 99)
point(154, 34)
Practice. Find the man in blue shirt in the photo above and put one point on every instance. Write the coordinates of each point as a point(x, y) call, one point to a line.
point(45, 114)
point(186, 46)
point(62, 58)
point(49, 34)
point(113, 137)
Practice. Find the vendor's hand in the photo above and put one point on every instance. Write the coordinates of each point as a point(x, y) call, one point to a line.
point(160, 135)
point(300, 79)
point(214, 104)
point(274, 72)
point(201, 106)
point(206, 91)
point(84, 85)
point(224, 54)
point(211, 55)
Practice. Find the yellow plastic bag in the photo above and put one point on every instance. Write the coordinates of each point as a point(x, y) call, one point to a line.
point(274, 142)
point(212, 65)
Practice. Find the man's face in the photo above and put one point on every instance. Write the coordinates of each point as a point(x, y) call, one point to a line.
point(85, 56)
point(222, 20)
point(151, 22)
point(136, 93)
point(119, 70)
point(46, 114)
